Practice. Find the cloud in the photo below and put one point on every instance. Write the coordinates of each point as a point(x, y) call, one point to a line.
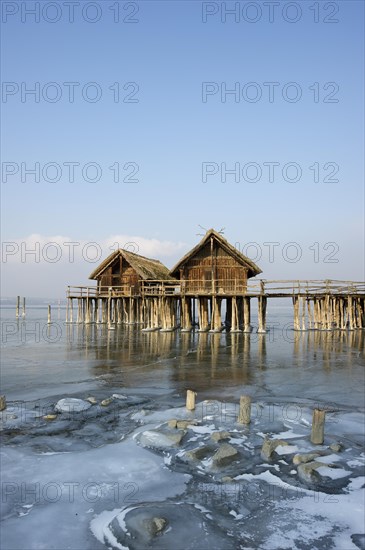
point(153, 248)
point(38, 249)
point(43, 266)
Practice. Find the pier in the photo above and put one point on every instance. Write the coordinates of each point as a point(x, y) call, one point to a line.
point(211, 278)
point(157, 305)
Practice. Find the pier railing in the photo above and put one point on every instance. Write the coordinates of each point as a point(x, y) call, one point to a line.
point(224, 287)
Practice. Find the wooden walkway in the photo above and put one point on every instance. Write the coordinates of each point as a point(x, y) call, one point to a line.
point(262, 287)
point(168, 305)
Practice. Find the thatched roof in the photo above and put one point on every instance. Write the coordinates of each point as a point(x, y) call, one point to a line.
point(253, 269)
point(147, 268)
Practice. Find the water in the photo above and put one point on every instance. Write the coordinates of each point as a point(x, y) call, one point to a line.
point(286, 373)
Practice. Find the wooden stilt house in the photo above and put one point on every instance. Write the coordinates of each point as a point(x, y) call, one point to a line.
point(214, 266)
point(125, 272)
point(134, 289)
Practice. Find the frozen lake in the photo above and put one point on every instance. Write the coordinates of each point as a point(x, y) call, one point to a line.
point(94, 478)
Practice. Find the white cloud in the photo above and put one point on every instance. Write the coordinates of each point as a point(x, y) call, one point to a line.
point(41, 265)
point(153, 248)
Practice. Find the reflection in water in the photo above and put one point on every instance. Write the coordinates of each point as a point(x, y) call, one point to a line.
point(205, 360)
point(328, 346)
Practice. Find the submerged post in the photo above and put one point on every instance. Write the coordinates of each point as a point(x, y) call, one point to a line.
point(262, 301)
point(244, 414)
point(317, 436)
point(190, 400)
point(2, 402)
point(49, 314)
point(110, 327)
point(23, 313)
point(17, 307)
point(246, 314)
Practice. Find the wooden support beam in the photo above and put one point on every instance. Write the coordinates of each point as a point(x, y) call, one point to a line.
point(318, 420)
point(244, 414)
point(109, 310)
point(203, 314)
point(186, 315)
point(216, 320)
point(310, 315)
point(350, 313)
point(302, 306)
point(2, 402)
point(247, 314)
point(239, 300)
point(67, 310)
point(190, 400)
point(295, 300)
point(235, 323)
point(262, 301)
point(78, 320)
point(228, 319)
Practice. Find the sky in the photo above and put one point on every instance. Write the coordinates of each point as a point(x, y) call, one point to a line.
point(153, 121)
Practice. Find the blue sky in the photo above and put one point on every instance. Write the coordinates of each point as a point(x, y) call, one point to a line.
point(168, 53)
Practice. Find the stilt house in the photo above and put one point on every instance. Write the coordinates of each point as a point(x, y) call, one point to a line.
point(214, 266)
point(125, 272)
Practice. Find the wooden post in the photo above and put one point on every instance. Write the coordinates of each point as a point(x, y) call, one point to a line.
point(162, 306)
point(203, 314)
point(228, 319)
point(216, 321)
point(2, 402)
point(302, 303)
point(296, 312)
point(186, 321)
point(361, 313)
point(119, 311)
point(262, 314)
point(49, 314)
point(326, 316)
point(96, 310)
point(17, 307)
point(317, 436)
point(23, 314)
point(156, 316)
point(316, 319)
point(87, 308)
point(78, 310)
point(239, 300)
point(190, 400)
point(244, 415)
point(247, 314)
point(349, 313)
point(110, 327)
point(309, 311)
point(235, 323)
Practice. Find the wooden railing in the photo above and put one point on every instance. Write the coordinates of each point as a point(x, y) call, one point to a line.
point(302, 287)
point(103, 291)
point(254, 287)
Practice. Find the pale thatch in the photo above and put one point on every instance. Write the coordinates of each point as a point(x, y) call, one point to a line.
point(147, 268)
point(252, 268)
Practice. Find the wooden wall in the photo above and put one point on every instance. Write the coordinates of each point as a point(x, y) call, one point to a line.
point(118, 274)
point(199, 271)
